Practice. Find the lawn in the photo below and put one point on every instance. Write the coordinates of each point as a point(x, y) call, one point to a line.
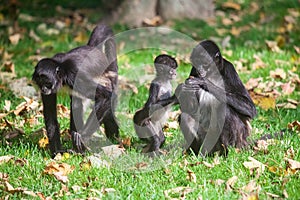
point(261, 38)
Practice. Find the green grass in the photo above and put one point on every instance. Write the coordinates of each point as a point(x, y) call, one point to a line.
point(123, 175)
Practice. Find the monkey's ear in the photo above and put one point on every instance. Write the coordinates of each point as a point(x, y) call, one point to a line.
point(218, 57)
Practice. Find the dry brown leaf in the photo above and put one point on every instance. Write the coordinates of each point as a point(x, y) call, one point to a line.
point(286, 105)
point(294, 124)
point(231, 5)
point(141, 165)
point(254, 164)
point(278, 73)
point(191, 176)
point(178, 191)
point(5, 159)
point(252, 83)
point(292, 164)
point(288, 88)
point(14, 39)
point(3, 176)
point(209, 165)
point(230, 183)
point(273, 46)
point(54, 167)
point(297, 49)
point(250, 187)
point(126, 142)
point(155, 21)
point(218, 182)
point(258, 64)
point(60, 177)
point(9, 66)
point(272, 195)
point(226, 21)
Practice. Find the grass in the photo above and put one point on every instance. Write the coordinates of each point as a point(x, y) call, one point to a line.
point(125, 176)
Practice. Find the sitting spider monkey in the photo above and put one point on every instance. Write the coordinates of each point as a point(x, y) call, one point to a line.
point(91, 72)
point(216, 107)
point(149, 121)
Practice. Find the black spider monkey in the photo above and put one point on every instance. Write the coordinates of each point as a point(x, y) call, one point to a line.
point(90, 71)
point(216, 107)
point(149, 121)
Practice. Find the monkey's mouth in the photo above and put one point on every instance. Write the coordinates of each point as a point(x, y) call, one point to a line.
point(201, 71)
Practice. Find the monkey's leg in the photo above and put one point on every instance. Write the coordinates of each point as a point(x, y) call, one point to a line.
point(189, 127)
point(92, 124)
point(111, 126)
point(76, 121)
point(52, 126)
point(215, 129)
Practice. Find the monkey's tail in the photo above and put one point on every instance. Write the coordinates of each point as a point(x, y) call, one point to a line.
point(100, 33)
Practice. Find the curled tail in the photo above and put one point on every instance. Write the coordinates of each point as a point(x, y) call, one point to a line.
point(102, 37)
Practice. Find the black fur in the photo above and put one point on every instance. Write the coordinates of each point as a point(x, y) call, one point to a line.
point(149, 121)
point(91, 71)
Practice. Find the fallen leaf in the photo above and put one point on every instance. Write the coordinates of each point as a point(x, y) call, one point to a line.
point(5, 159)
point(293, 164)
point(44, 142)
point(81, 37)
point(60, 177)
point(278, 73)
point(126, 142)
point(218, 182)
point(273, 46)
point(254, 164)
point(250, 187)
point(191, 176)
point(258, 64)
point(108, 190)
point(178, 191)
point(252, 83)
point(208, 164)
point(294, 124)
point(155, 21)
point(272, 195)
point(54, 167)
point(97, 162)
point(14, 39)
point(7, 105)
point(288, 88)
point(286, 105)
point(264, 102)
point(230, 183)
point(231, 5)
point(85, 165)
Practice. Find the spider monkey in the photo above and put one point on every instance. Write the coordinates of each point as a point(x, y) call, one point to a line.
point(216, 107)
point(91, 72)
point(149, 120)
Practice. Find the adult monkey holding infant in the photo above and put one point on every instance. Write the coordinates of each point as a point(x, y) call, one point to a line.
point(91, 72)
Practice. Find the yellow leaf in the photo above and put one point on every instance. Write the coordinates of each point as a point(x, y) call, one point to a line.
point(43, 142)
point(264, 102)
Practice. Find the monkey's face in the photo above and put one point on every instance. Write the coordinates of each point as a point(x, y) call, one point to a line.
point(166, 72)
point(206, 58)
point(47, 77)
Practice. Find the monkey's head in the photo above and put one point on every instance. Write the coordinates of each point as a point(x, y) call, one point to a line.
point(47, 76)
point(165, 66)
point(205, 56)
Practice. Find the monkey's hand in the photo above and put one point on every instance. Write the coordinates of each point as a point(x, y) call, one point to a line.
point(194, 84)
point(78, 143)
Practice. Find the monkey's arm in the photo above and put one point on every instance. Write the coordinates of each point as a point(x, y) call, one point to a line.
point(239, 102)
point(52, 126)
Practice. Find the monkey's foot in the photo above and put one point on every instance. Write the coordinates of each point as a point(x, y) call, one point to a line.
point(78, 143)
